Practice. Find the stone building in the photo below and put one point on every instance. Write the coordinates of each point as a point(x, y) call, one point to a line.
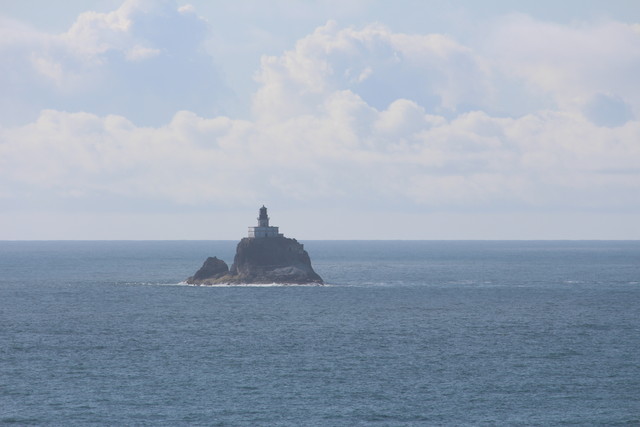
point(263, 229)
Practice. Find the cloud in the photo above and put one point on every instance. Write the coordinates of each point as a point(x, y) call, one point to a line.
point(143, 60)
point(376, 64)
point(80, 153)
point(351, 155)
point(348, 117)
point(569, 64)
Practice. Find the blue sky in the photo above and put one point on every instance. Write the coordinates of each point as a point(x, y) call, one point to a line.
point(357, 119)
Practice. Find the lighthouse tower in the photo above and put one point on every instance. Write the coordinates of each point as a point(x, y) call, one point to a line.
point(263, 219)
point(263, 229)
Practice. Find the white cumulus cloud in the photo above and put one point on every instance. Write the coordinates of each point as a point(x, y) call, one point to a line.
point(356, 117)
point(143, 60)
point(568, 63)
point(375, 63)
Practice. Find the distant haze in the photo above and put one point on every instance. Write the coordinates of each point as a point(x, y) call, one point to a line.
point(348, 119)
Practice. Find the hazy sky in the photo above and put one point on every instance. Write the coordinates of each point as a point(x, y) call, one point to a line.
point(349, 119)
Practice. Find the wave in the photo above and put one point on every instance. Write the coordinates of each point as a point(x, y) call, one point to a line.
point(236, 285)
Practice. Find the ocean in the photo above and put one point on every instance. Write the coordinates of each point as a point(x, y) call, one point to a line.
point(405, 333)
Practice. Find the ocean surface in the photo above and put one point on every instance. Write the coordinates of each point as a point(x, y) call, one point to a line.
point(405, 333)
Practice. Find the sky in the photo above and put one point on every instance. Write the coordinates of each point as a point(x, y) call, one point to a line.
point(348, 119)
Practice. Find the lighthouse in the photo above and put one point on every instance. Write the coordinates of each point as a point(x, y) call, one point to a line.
point(263, 229)
point(263, 219)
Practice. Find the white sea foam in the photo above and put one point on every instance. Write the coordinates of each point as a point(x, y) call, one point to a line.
point(249, 285)
point(157, 284)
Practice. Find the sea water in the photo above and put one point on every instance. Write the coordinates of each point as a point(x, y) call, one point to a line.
point(404, 333)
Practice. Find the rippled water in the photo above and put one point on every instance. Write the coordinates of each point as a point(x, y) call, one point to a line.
point(406, 333)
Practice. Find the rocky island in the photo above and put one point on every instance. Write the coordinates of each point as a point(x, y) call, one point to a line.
point(266, 256)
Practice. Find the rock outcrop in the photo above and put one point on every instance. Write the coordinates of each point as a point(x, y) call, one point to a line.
point(213, 268)
point(266, 256)
point(279, 260)
point(260, 260)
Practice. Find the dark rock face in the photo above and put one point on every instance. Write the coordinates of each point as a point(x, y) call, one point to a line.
point(269, 260)
point(213, 268)
point(261, 260)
